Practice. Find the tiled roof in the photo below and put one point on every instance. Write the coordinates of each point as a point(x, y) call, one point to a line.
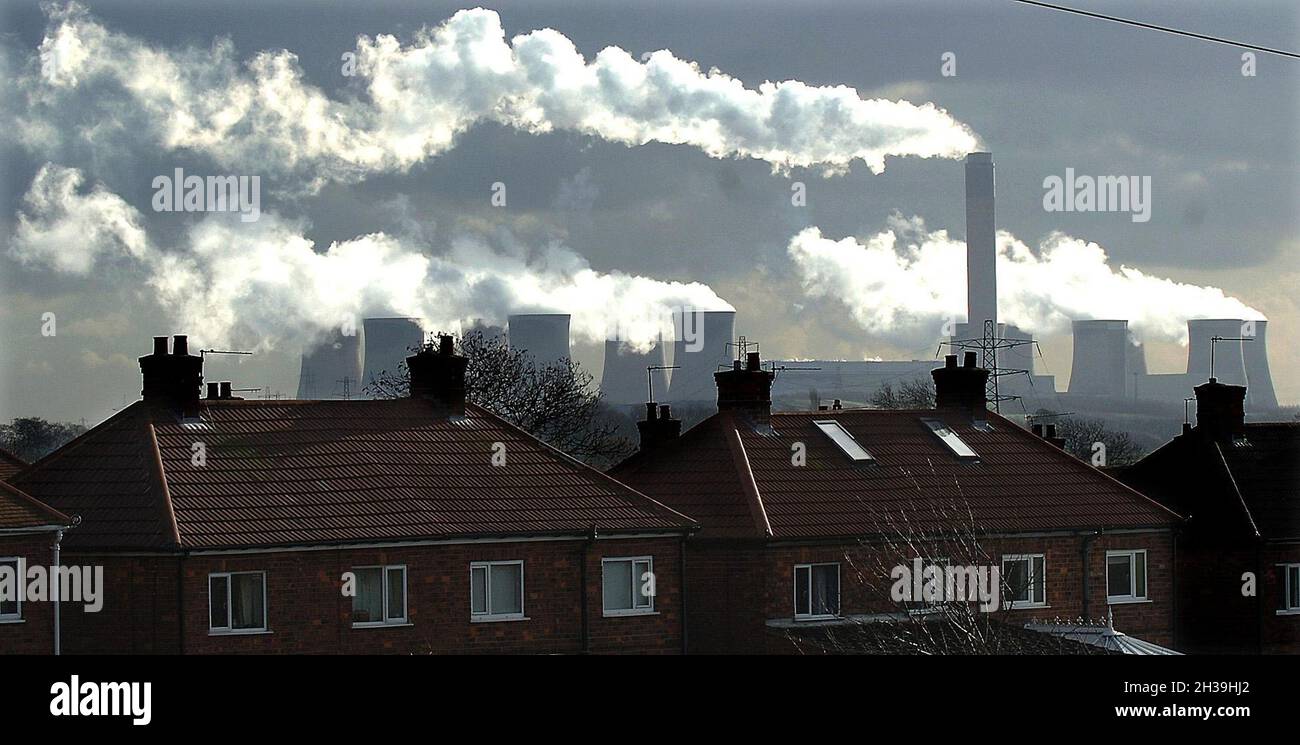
point(17, 511)
point(10, 464)
point(1020, 483)
point(309, 472)
point(1248, 487)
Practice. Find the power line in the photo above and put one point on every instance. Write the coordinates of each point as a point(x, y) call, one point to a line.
point(1164, 29)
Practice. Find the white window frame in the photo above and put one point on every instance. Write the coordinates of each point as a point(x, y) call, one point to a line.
point(1133, 596)
point(384, 569)
point(839, 599)
point(488, 615)
point(16, 616)
point(227, 630)
point(1287, 589)
point(637, 583)
point(1013, 604)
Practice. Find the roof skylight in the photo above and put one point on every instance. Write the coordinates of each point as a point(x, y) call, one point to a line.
point(958, 446)
point(843, 440)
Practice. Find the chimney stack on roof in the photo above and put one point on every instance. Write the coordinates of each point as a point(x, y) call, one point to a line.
point(173, 380)
point(1220, 410)
point(960, 387)
point(660, 428)
point(439, 375)
point(746, 389)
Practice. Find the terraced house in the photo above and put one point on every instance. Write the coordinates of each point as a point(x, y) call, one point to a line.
point(422, 524)
point(805, 515)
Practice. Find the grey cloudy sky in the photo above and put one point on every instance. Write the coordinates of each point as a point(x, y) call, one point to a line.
point(1042, 90)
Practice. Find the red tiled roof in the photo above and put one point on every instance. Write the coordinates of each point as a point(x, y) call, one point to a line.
point(10, 464)
point(1020, 483)
point(17, 511)
point(309, 472)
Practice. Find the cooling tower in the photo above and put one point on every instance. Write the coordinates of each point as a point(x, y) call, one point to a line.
point(623, 381)
point(1229, 364)
point(1259, 383)
point(331, 369)
point(699, 349)
point(388, 343)
point(981, 245)
point(544, 336)
point(1101, 354)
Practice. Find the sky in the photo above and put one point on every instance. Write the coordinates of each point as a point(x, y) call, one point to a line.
point(649, 156)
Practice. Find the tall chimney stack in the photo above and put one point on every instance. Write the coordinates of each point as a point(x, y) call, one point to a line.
point(960, 387)
point(1220, 410)
point(658, 427)
point(175, 380)
point(981, 243)
point(746, 388)
point(439, 375)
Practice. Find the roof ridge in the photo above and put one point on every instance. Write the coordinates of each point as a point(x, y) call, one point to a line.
point(35, 503)
point(160, 475)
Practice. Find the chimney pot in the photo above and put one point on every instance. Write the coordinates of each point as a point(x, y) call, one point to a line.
point(665, 412)
point(655, 430)
point(969, 361)
point(160, 346)
point(1038, 430)
point(213, 391)
point(1050, 431)
point(445, 347)
point(837, 405)
point(650, 411)
point(180, 345)
point(226, 390)
point(950, 360)
point(752, 362)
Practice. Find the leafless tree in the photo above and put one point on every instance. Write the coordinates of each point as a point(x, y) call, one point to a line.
point(912, 394)
point(555, 403)
point(1080, 433)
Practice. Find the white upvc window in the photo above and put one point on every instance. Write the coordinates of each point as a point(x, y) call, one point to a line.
point(11, 582)
point(816, 591)
point(628, 585)
point(237, 602)
point(380, 598)
point(1290, 588)
point(1126, 576)
point(1024, 580)
point(496, 591)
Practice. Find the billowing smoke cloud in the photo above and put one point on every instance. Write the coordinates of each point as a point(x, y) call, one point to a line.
point(410, 102)
point(264, 283)
point(907, 279)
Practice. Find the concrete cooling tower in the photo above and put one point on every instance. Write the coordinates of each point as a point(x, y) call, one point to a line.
point(699, 349)
point(1101, 356)
point(623, 381)
point(1259, 381)
point(331, 369)
point(388, 342)
point(543, 336)
point(1229, 363)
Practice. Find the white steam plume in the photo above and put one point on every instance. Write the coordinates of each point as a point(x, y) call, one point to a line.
point(905, 277)
point(265, 280)
point(412, 101)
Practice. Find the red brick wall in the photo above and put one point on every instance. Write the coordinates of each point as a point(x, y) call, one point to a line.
point(733, 591)
point(34, 634)
point(1214, 617)
point(1281, 633)
point(307, 613)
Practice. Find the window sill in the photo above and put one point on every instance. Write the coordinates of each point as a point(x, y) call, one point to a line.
point(628, 613)
point(806, 619)
point(381, 625)
point(250, 632)
point(1126, 601)
point(12, 620)
point(497, 619)
point(1025, 606)
point(1289, 612)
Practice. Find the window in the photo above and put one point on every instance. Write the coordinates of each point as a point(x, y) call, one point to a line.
point(496, 590)
point(1290, 588)
point(816, 591)
point(843, 440)
point(1024, 580)
point(11, 601)
point(957, 445)
point(237, 602)
point(381, 596)
point(628, 585)
point(1126, 576)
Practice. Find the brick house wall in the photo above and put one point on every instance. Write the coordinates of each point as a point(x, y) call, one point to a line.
point(34, 633)
point(1216, 618)
point(1281, 632)
point(734, 588)
point(308, 614)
